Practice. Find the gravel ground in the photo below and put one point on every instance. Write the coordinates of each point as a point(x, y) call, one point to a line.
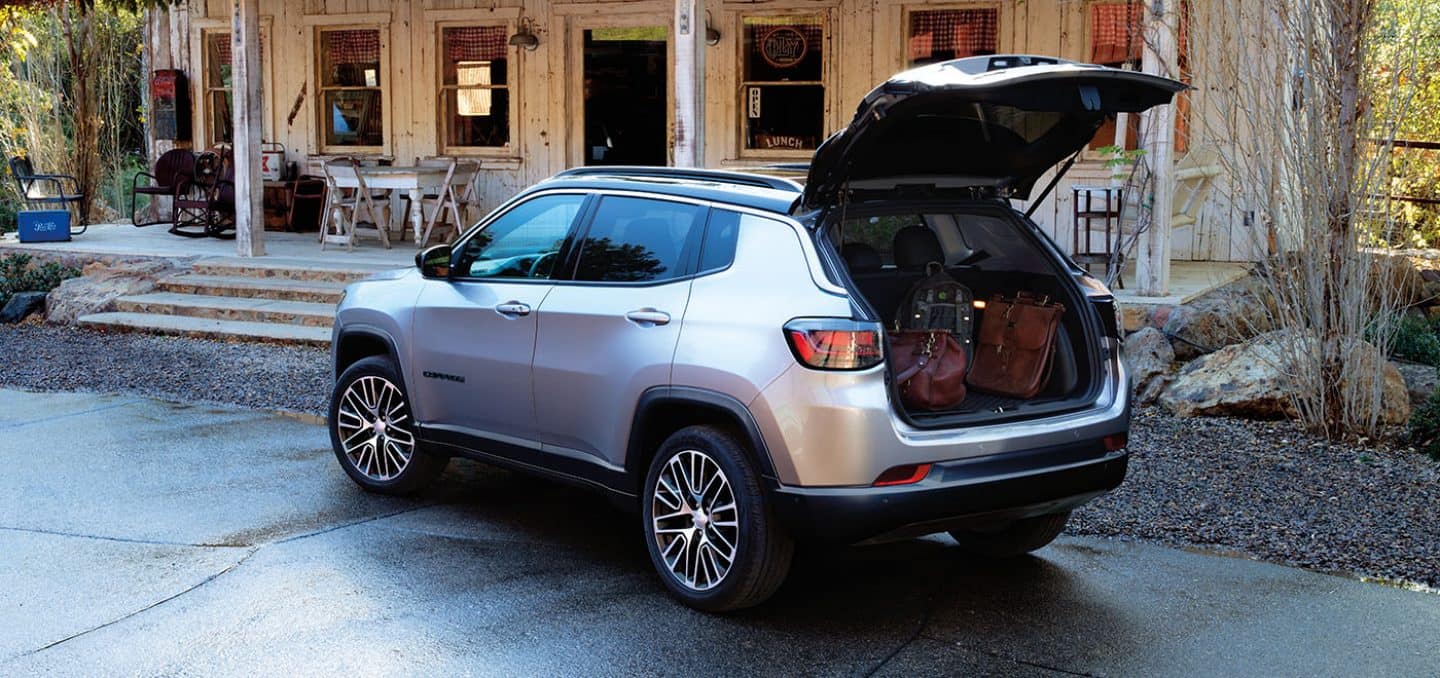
point(1259, 489)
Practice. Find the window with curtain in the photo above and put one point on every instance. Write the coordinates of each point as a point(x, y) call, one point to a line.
point(782, 93)
point(1117, 39)
point(944, 34)
point(352, 91)
point(475, 87)
point(219, 99)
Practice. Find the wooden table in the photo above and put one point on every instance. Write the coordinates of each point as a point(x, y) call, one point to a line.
point(416, 181)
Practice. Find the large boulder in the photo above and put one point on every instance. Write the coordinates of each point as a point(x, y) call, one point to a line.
point(22, 304)
point(1250, 380)
point(1149, 356)
point(100, 285)
point(1420, 380)
point(1230, 314)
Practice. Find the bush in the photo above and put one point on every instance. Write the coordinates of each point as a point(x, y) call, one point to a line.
point(19, 274)
point(1413, 339)
point(1425, 426)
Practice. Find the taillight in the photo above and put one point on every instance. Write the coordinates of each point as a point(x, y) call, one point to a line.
point(1116, 441)
point(907, 474)
point(835, 343)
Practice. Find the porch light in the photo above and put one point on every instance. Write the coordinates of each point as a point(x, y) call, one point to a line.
point(712, 36)
point(525, 36)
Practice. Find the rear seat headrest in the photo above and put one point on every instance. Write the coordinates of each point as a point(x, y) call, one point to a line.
point(860, 258)
point(916, 246)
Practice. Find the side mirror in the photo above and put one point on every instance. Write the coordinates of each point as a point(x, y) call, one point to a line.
point(434, 262)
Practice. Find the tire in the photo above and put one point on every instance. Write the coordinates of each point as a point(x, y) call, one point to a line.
point(694, 570)
point(383, 461)
point(1013, 540)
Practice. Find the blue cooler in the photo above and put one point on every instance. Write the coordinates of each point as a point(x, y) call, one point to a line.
point(44, 225)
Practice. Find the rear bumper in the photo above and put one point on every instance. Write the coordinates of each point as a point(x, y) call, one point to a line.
point(956, 494)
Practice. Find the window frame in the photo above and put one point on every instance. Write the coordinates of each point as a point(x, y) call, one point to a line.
point(512, 87)
point(321, 114)
point(565, 255)
point(828, 82)
point(203, 31)
point(1002, 17)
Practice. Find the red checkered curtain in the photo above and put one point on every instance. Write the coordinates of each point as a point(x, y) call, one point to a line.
point(954, 33)
point(221, 43)
point(476, 43)
point(1116, 32)
point(353, 47)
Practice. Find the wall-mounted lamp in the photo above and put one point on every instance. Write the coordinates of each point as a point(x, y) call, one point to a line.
point(525, 35)
point(712, 36)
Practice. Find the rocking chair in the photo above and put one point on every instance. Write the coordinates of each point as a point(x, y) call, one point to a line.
point(204, 203)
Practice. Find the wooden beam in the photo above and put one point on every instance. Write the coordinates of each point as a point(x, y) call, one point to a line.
point(1161, 57)
point(248, 110)
point(689, 32)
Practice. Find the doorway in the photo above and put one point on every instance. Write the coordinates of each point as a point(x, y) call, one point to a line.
point(625, 106)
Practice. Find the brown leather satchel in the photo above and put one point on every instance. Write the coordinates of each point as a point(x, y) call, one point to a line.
point(1016, 347)
point(929, 367)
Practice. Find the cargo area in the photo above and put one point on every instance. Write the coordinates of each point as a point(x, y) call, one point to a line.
point(990, 249)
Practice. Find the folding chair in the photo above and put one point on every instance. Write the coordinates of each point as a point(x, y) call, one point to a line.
point(346, 198)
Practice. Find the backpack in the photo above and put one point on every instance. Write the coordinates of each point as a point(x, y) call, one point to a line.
point(939, 302)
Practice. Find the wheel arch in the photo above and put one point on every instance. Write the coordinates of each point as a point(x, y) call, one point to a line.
point(353, 344)
point(663, 410)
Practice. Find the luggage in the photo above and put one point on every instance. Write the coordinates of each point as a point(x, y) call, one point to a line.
point(1015, 350)
point(930, 368)
point(939, 302)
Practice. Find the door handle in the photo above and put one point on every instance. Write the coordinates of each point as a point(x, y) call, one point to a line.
point(513, 309)
point(648, 315)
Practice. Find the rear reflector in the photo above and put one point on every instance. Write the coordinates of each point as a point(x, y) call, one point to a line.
point(903, 475)
point(835, 343)
point(1116, 441)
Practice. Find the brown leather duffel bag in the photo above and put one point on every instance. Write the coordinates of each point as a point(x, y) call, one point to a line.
point(930, 369)
point(1016, 346)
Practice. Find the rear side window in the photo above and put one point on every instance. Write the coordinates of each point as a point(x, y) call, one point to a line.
point(721, 234)
point(640, 240)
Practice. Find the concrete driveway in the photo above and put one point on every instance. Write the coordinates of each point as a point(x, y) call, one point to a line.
point(143, 537)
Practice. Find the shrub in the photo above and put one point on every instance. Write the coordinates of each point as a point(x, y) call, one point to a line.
point(1425, 426)
point(1411, 338)
point(19, 274)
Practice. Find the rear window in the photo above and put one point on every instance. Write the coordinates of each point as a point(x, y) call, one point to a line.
point(985, 240)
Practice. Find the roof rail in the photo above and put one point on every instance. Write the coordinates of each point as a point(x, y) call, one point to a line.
point(695, 174)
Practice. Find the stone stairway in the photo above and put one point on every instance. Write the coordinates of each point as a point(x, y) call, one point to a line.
point(263, 299)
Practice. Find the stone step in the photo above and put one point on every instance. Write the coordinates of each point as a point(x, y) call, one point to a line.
point(281, 268)
point(209, 328)
point(307, 313)
point(318, 291)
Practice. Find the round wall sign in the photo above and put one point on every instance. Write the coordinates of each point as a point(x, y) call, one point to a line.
point(783, 47)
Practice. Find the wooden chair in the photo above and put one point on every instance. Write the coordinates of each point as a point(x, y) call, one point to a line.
point(170, 168)
point(347, 197)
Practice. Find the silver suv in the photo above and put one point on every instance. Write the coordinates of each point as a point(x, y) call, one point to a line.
point(709, 347)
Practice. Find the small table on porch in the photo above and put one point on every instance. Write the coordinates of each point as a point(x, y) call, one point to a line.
point(416, 181)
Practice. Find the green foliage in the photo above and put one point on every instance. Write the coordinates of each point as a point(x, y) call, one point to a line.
point(1411, 338)
point(1425, 426)
point(1405, 83)
point(19, 273)
point(1118, 160)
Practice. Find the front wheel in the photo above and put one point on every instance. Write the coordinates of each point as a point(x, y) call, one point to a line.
point(1016, 539)
point(710, 531)
point(373, 432)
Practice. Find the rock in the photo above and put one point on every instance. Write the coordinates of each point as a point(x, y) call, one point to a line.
point(1430, 275)
point(1250, 380)
point(21, 304)
point(100, 285)
point(1227, 315)
point(1420, 380)
point(1149, 356)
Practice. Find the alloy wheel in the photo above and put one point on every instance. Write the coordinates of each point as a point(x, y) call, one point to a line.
point(695, 521)
point(374, 427)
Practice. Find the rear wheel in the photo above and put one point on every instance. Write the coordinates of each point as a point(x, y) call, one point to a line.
point(373, 433)
point(709, 528)
point(1016, 539)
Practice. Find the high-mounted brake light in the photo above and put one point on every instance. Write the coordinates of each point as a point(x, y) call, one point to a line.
point(835, 343)
point(907, 474)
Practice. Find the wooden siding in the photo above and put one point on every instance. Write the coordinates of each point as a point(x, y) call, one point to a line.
point(864, 44)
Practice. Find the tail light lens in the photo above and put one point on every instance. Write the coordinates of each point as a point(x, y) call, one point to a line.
point(835, 343)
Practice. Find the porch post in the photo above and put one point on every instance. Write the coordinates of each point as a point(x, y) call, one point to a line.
point(245, 79)
point(689, 31)
point(1152, 265)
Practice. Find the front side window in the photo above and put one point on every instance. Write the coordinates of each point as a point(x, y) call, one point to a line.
point(475, 87)
point(351, 88)
point(640, 240)
point(522, 243)
point(219, 99)
point(783, 88)
point(944, 34)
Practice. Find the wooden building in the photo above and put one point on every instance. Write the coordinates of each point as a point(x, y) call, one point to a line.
point(529, 87)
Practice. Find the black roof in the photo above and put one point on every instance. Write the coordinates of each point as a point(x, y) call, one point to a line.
point(743, 189)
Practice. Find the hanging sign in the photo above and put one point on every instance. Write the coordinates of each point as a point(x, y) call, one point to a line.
point(752, 100)
point(783, 47)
